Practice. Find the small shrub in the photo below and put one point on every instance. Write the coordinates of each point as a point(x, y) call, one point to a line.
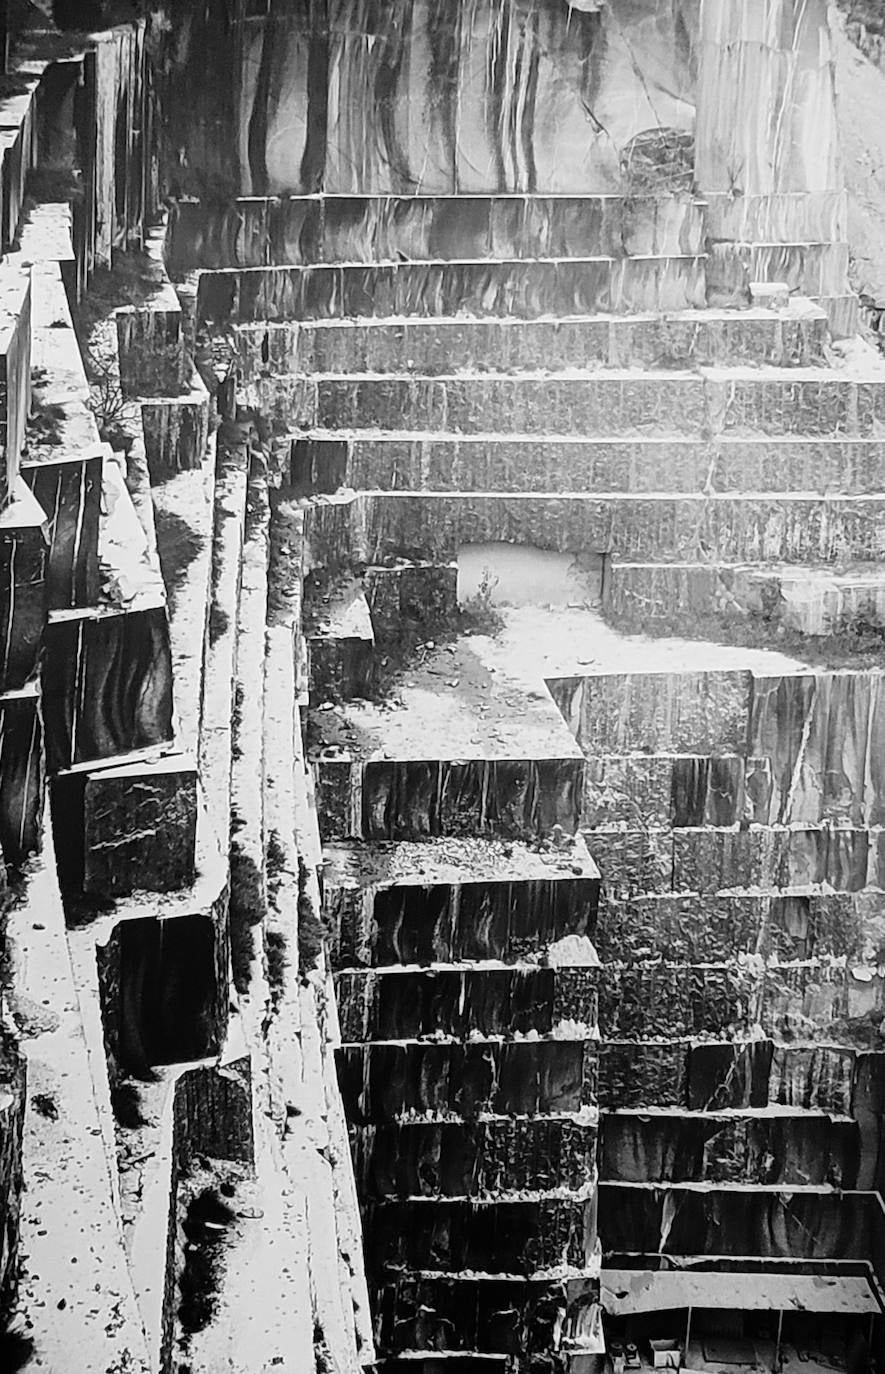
point(16, 1349)
point(479, 615)
point(126, 1106)
point(311, 934)
point(177, 545)
point(275, 949)
point(245, 911)
point(219, 623)
point(45, 1105)
point(204, 1226)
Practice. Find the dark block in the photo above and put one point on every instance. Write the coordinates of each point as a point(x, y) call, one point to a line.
point(107, 686)
point(140, 829)
point(21, 778)
point(22, 602)
point(70, 494)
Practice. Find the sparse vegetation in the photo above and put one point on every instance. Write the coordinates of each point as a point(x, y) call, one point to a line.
point(205, 1226)
point(16, 1349)
point(861, 644)
point(44, 422)
point(126, 1106)
point(219, 623)
point(479, 615)
point(177, 545)
point(277, 959)
point(245, 912)
point(311, 933)
point(44, 1104)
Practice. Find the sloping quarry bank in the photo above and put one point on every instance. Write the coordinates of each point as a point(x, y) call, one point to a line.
point(441, 717)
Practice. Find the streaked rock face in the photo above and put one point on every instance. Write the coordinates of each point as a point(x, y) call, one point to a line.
point(425, 95)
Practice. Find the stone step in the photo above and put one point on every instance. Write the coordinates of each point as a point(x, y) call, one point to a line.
point(516, 1316)
point(756, 1148)
point(401, 461)
point(529, 288)
point(107, 684)
point(785, 217)
point(176, 430)
point(22, 586)
point(70, 490)
point(150, 336)
point(261, 232)
point(721, 1076)
point(22, 766)
point(810, 269)
point(815, 601)
point(411, 596)
point(341, 643)
point(440, 765)
point(677, 403)
point(457, 900)
point(474, 1159)
point(482, 1236)
point(813, 1224)
point(781, 860)
point(402, 1003)
point(351, 530)
point(708, 928)
point(389, 1080)
point(659, 789)
point(795, 336)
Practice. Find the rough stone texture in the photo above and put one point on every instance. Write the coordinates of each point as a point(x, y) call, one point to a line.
point(21, 776)
point(410, 597)
point(140, 830)
point(261, 232)
point(70, 493)
point(107, 686)
point(13, 1081)
point(473, 1159)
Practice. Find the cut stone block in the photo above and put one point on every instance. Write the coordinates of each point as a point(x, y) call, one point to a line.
point(70, 493)
point(410, 597)
point(487, 1237)
point(473, 1159)
point(15, 369)
point(21, 775)
point(815, 601)
point(527, 288)
point(341, 642)
point(176, 431)
point(459, 900)
point(795, 337)
point(693, 929)
point(652, 1221)
point(800, 216)
point(23, 549)
point(259, 232)
point(632, 862)
point(604, 404)
point(386, 1081)
point(659, 713)
point(140, 828)
point(644, 1002)
point(412, 1004)
point(770, 295)
point(803, 1149)
point(317, 464)
point(107, 681)
point(766, 857)
point(452, 1313)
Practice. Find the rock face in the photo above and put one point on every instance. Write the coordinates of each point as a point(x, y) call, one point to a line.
point(413, 978)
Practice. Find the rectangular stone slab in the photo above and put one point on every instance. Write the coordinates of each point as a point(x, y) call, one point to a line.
point(256, 232)
point(23, 551)
point(412, 1003)
point(511, 1237)
point(384, 1081)
point(473, 1159)
point(107, 686)
point(21, 775)
point(457, 900)
point(69, 492)
point(140, 828)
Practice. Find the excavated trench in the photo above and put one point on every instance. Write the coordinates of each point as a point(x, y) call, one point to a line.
point(443, 592)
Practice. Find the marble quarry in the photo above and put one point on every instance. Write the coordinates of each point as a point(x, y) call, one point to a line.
point(442, 721)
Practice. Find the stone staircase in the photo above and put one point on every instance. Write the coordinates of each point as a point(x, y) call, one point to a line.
point(567, 374)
